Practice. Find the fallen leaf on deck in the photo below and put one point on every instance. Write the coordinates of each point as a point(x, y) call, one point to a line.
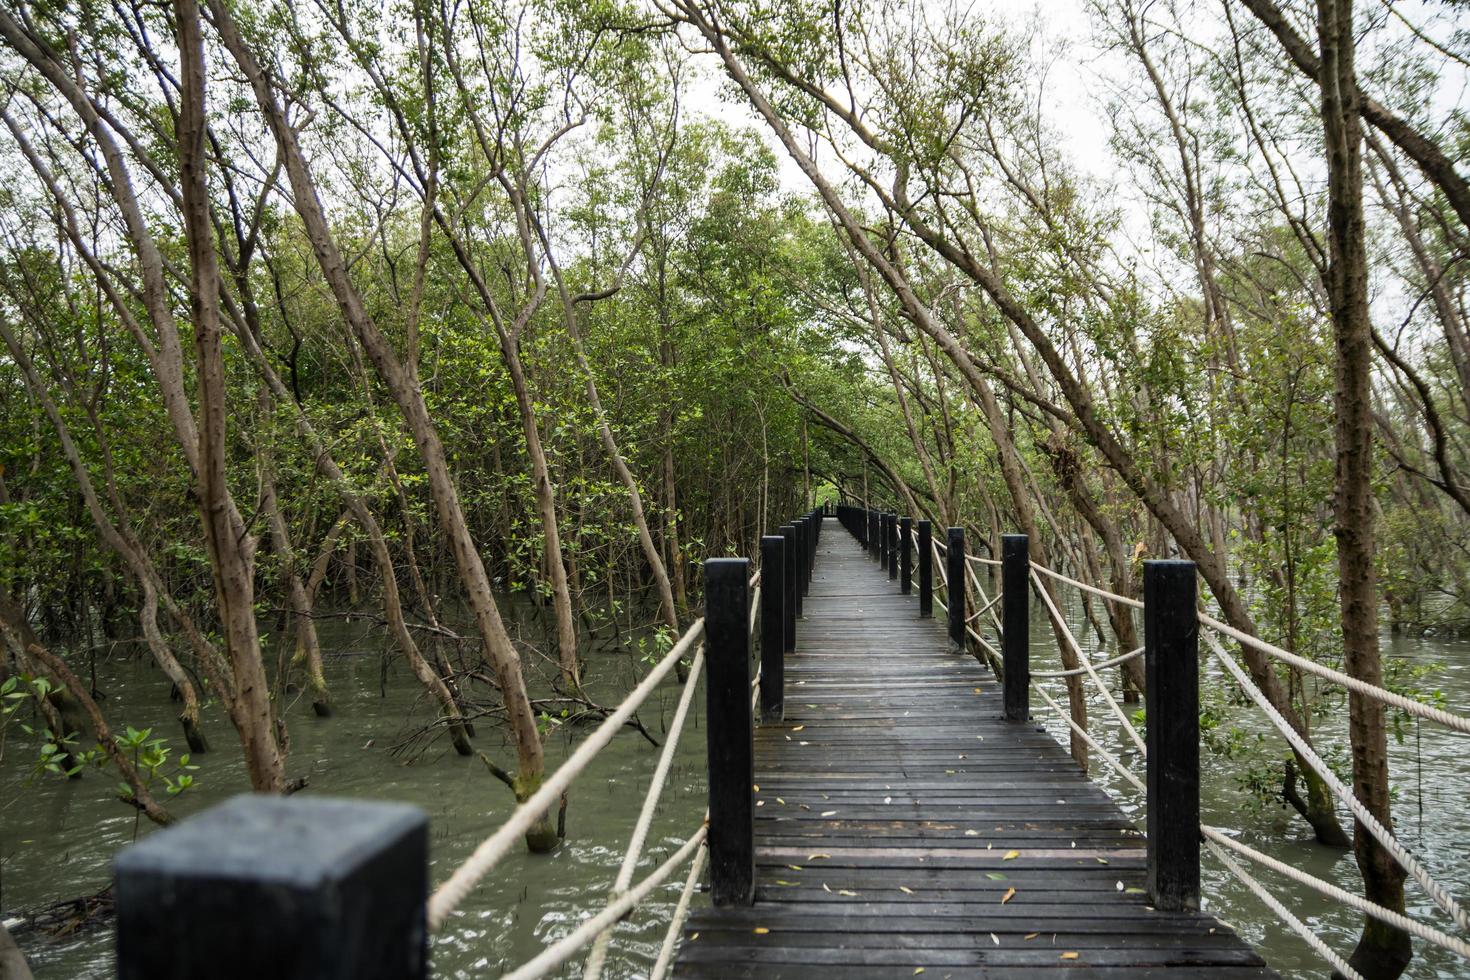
point(905, 889)
point(1069, 956)
point(1030, 935)
point(817, 857)
point(1011, 855)
point(760, 930)
point(1010, 894)
point(995, 876)
point(828, 813)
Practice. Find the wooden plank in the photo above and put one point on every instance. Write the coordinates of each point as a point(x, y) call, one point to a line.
point(901, 822)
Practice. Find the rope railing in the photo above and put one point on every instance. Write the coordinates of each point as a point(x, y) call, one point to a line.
point(977, 560)
point(595, 960)
point(1391, 698)
point(1217, 841)
point(973, 581)
point(1086, 663)
point(1283, 913)
point(1100, 665)
point(681, 913)
point(1104, 593)
point(493, 849)
point(1396, 919)
point(558, 953)
point(1381, 834)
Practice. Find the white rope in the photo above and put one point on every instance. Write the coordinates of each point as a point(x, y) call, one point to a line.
point(555, 955)
point(976, 559)
point(943, 570)
point(981, 640)
point(754, 580)
point(593, 968)
point(1107, 756)
point(1284, 914)
point(1087, 588)
point(1087, 666)
point(1396, 919)
point(980, 612)
point(1365, 817)
point(975, 581)
point(493, 849)
point(1100, 665)
point(1409, 705)
point(755, 609)
point(681, 912)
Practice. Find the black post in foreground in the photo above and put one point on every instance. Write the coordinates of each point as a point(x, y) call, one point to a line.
point(893, 546)
point(954, 561)
point(1015, 611)
point(875, 539)
point(905, 555)
point(1171, 665)
point(926, 569)
point(730, 744)
point(261, 886)
point(773, 627)
point(788, 587)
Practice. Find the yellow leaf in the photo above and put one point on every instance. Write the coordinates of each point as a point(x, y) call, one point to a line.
point(798, 728)
point(1011, 855)
point(1010, 894)
point(1031, 935)
point(977, 690)
point(828, 813)
point(757, 787)
point(794, 867)
point(694, 937)
point(760, 930)
point(817, 857)
point(905, 889)
point(918, 970)
point(1069, 956)
point(849, 894)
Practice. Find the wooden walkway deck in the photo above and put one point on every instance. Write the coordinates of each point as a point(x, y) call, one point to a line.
point(902, 828)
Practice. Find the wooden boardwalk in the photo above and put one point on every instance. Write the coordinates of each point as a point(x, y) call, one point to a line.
point(902, 827)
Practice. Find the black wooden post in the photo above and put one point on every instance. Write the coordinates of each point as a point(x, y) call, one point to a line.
point(813, 529)
point(789, 596)
point(926, 569)
point(875, 537)
point(808, 536)
point(905, 555)
point(954, 561)
point(773, 627)
point(803, 554)
point(261, 886)
point(1171, 665)
point(730, 741)
point(1015, 606)
point(893, 546)
point(883, 541)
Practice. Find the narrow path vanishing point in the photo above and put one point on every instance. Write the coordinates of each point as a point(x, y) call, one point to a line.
point(903, 828)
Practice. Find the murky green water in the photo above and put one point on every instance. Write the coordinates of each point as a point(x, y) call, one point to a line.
point(56, 837)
